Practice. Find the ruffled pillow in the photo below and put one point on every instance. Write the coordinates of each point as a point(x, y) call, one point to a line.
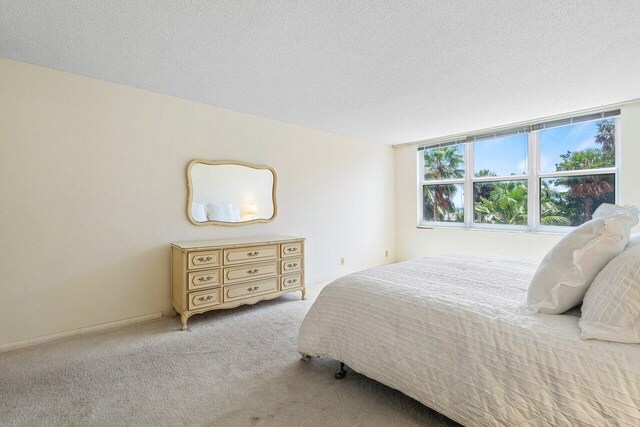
point(565, 273)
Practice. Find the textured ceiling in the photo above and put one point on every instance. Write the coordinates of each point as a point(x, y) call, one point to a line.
point(386, 71)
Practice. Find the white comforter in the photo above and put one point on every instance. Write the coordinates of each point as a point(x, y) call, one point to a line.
point(453, 332)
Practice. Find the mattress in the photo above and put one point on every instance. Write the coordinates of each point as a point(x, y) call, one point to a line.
point(453, 332)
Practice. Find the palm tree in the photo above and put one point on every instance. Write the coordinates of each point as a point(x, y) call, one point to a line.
point(589, 187)
point(482, 190)
point(507, 204)
point(606, 137)
point(550, 212)
point(441, 163)
point(438, 203)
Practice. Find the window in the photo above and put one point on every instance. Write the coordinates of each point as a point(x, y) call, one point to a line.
point(546, 176)
point(578, 171)
point(443, 188)
point(500, 183)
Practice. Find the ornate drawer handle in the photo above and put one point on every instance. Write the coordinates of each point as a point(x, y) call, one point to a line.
point(290, 265)
point(254, 253)
point(292, 249)
point(255, 288)
point(203, 259)
point(290, 281)
point(207, 298)
point(204, 279)
point(254, 271)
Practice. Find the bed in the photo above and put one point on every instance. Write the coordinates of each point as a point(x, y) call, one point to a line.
point(453, 332)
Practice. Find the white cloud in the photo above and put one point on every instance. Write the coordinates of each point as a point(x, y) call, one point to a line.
point(547, 164)
point(587, 143)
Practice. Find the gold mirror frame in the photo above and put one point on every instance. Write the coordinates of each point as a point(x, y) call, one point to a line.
point(236, 163)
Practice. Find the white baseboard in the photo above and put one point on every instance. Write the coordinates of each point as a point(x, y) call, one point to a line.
point(80, 331)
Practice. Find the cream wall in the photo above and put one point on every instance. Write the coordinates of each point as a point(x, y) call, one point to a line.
point(412, 242)
point(93, 190)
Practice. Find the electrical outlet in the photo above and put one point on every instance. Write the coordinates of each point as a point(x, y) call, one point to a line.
point(386, 254)
point(341, 261)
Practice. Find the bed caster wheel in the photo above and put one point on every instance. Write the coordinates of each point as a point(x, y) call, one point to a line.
point(341, 373)
point(306, 357)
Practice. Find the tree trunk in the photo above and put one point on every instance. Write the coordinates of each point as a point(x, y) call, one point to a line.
point(588, 205)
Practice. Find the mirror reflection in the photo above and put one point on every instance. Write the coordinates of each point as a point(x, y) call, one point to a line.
point(230, 193)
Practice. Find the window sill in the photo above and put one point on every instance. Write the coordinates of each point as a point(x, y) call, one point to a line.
point(494, 230)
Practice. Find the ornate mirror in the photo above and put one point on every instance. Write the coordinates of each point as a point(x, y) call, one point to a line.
point(230, 193)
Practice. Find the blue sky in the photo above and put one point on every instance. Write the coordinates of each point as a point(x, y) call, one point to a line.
point(557, 141)
point(504, 156)
point(508, 155)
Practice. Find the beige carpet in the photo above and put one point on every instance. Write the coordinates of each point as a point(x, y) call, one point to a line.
point(232, 368)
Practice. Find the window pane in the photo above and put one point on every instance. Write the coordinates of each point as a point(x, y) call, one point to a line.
point(443, 202)
point(588, 145)
point(502, 202)
point(571, 201)
point(500, 156)
point(444, 162)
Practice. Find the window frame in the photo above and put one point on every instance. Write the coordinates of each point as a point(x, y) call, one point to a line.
point(533, 178)
point(422, 182)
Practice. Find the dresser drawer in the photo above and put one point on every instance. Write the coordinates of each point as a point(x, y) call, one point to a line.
point(291, 249)
point(291, 281)
point(290, 265)
point(249, 254)
point(242, 273)
point(204, 279)
point(203, 299)
point(248, 290)
point(203, 259)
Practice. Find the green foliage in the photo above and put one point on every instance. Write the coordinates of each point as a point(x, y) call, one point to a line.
point(442, 163)
point(576, 198)
point(590, 158)
point(485, 172)
point(438, 203)
point(550, 202)
point(606, 137)
point(482, 190)
point(506, 204)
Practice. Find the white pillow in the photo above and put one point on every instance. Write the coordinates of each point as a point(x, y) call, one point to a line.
point(633, 240)
point(220, 211)
point(566, 272)
point(198, 212)
point(215, 211)
point(236, 215)
point(611, 306)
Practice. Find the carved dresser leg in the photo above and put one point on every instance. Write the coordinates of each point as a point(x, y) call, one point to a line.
point(304, 293)
point(174, 313)
point(184, 322)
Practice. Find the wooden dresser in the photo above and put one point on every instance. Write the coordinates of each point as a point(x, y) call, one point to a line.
point(226, 273)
